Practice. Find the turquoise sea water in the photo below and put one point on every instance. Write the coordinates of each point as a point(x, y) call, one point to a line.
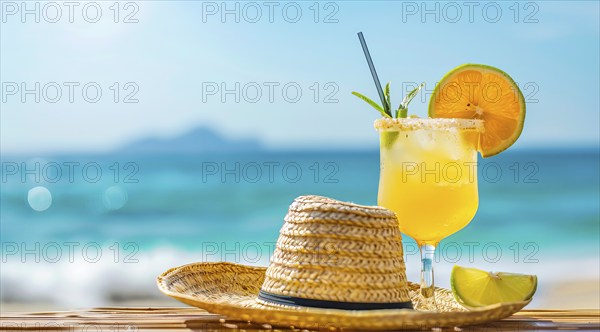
point(536, 208)
point(547, 197)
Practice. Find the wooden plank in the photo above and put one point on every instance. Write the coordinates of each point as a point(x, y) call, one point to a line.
point(118, 319)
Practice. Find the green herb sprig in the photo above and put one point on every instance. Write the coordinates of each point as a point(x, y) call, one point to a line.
point(386, 109)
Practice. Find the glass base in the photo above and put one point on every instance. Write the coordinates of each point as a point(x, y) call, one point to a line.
point(426, 300)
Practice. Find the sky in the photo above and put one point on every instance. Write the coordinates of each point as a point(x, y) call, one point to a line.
point(281, 72)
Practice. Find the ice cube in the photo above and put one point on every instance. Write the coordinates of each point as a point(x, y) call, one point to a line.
point(423, 139)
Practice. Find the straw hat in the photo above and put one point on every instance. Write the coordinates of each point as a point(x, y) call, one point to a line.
point(335, 264)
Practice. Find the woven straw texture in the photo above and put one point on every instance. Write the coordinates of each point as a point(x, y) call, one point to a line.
point(327, 250)
point(231, 290)
point(321, 253)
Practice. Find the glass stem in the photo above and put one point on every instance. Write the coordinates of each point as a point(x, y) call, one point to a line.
point(426, 300)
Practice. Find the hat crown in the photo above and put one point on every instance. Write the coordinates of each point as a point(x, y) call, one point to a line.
point(336, 251)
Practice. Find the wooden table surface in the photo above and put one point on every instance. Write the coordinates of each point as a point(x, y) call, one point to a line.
point(191, 319)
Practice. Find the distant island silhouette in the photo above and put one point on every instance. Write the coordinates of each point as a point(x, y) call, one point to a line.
point(198, 140)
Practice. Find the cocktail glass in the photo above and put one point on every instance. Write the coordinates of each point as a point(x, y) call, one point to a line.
point(428, 177)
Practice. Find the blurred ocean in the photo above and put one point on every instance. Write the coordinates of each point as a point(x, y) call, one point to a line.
point(116, 221)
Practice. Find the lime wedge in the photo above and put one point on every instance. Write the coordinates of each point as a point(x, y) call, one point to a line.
point(476, 288)
point(388, 138)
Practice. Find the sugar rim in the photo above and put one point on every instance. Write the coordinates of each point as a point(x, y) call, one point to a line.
point(388, 124)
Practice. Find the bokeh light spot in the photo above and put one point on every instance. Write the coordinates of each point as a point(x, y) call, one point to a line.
point(114, 198)
point(39, 198)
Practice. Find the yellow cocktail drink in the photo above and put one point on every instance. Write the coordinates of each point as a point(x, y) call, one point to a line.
point(429, 179)
point(429, 174)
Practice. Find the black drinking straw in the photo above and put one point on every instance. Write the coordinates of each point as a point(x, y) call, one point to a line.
point(371, 67)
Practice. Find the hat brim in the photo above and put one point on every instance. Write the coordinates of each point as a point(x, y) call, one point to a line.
point(232, 289)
